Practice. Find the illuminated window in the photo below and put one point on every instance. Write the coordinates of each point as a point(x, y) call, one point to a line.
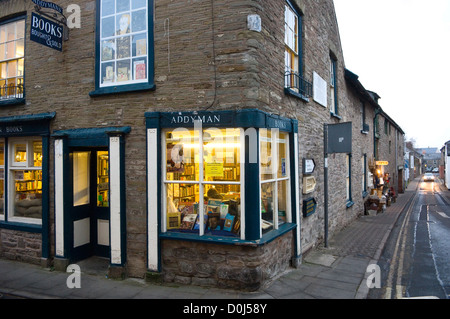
point(203, 174)
point(12, 44)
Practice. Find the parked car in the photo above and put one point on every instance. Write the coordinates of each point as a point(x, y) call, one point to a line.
point(435, 170)
point(428, 177)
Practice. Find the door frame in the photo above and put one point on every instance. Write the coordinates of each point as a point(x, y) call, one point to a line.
point(112, 139)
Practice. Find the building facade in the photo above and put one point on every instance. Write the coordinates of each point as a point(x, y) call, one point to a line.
point(182, 144)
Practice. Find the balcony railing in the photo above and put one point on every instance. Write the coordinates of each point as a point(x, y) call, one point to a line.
point(296, 83)
point(8, 92)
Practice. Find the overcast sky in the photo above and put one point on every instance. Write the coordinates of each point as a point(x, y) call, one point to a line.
point(401, 50)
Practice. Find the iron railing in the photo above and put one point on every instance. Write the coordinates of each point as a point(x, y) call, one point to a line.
point(295, 82)
point(11, 91)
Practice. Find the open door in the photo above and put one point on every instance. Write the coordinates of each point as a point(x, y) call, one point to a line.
point(90, 214)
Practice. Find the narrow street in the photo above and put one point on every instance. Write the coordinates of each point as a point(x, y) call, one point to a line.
point(416, 260)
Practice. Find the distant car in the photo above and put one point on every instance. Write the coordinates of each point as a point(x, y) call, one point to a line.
point(435, 170)
point(428, 177)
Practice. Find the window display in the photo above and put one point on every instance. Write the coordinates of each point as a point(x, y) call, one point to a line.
point(123, 36)
point(275, 181)
point(25, 175)
point(102, 179)
point(2, 179)
point(203, 182)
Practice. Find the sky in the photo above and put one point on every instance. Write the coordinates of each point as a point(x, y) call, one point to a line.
point(401, 50)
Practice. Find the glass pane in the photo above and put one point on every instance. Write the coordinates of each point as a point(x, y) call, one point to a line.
point(10, 32)
point(37, 154)
point(102, 179)
point(81, 173)
point(108, 50)
point(182, 155)
point(108, 73)
point(123, 47)
point(123, 5)
point(221, 155)
point(282, 201)
point(108, 27)
point(123, 71)
point(2, 191)
point(27, 199)
point(182, 207)
point(108, 7)
point(20, 29)
point(20, 153)
point(139, 21)
point(2, 51)
point(3, 34)
point(267, 170)
point(2, 153)
point(267, 206)
point(140, 69)
point(123, 24)
point(283, 160)
point(10, 50)
point(136, 4)
point(3, 70)
point(20, 67)
point(139, 44)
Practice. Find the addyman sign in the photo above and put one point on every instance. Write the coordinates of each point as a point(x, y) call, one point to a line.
point(46, 32)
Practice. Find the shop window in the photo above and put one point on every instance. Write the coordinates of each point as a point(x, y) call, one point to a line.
point(124, 61)
point(12, 49)
point(202, 181)
point(275, 178)
point(25, 180)
point(103, 179)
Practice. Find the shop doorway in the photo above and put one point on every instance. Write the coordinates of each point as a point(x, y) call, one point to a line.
point(89, 208)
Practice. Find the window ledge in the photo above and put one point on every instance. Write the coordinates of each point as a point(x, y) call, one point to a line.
point(335, 115)
point(266, 238)
point(15, 101)
point(364, 132)
point(302, 97)
point(364, 194)
point(31, 228)
point(122, 89)
point(349, 204)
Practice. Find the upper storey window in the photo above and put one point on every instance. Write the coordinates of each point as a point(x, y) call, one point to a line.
point(12, 49)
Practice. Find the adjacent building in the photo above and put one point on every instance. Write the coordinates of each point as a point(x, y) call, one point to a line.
point(182, 140)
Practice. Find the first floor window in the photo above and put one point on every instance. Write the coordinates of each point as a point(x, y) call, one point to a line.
point(348, 159)
point(333, 87)
point(123, 42)
point(24, 175)
point(202, 181)
point(12, 52)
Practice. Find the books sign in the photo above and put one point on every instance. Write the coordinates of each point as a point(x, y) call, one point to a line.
point(382, 163)
point(46, 32)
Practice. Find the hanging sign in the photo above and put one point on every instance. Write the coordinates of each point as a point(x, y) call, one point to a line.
point(340, 138)
point(382, 163)
point(308, 166)
point(46, 32)
point(48, 5)
point(309, 207)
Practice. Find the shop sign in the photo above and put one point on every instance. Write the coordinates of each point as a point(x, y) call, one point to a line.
point(339, 138)
point(48, 5)
point(308, 166)
point(382, 163)
point(46, 32)
point(309, 207)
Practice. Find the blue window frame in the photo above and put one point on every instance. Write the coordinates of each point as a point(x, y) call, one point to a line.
point(124, 46)
point(334, 106)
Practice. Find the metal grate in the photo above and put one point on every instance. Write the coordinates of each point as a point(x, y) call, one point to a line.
point(296, 83)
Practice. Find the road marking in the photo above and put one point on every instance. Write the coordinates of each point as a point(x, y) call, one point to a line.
point(443, 214)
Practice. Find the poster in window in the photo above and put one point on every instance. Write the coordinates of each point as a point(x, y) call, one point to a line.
point(107, 72)
point(123, 47)
point(123, 24)
point(122, 74)
point(141, 47)
point(139, 70)
point(108, 50)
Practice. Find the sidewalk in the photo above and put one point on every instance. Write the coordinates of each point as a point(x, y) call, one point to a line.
point(336, 272)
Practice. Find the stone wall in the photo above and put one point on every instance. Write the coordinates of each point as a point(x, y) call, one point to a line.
point(226, 266)
point(22, 246)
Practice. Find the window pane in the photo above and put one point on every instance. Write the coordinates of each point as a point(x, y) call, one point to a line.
point(139, 21)
point(10, 32)
point(122, 5)
point(282, 201)
point(140, 69)
point(108, 50)
point(81, 173)
point(108, 7)
point(103, 179)
point(140, 44)
point(108, 72)
point(20, 29)
point(136, 4)
point(37, 154)
point(3, 34)
point(10, 50)
point(108, 27)
point(123, 47)
point(20, 153)
point(2, 191)
point(221, 154)
point(283, 160)
point(2, 51)
point(182, 155)
point(3, 70)
point(123, 71)
point(27, 199)
point(182, 207)
point(20, 67)
point(267, 171)
point(267, 206)
point(123, 24)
